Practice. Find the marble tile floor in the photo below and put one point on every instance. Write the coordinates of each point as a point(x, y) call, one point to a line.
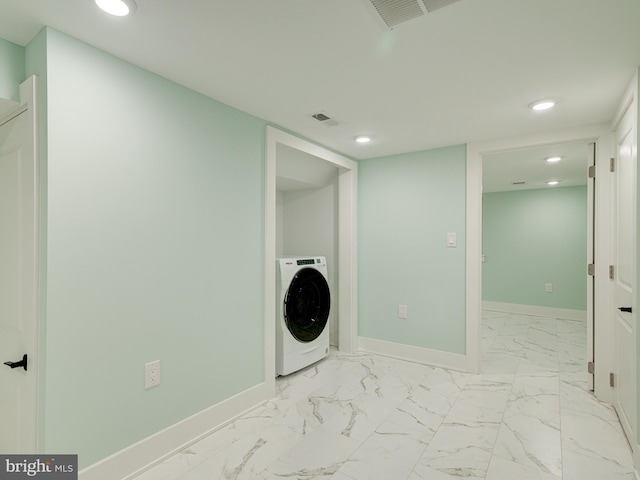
point(528, 416)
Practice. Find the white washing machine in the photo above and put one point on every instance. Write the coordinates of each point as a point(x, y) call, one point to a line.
point(303, 304)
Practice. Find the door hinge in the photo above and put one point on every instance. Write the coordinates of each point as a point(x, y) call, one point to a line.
point(612, 380)
point(592, 171)
point(591, 367)
point(591, 269)
point(612, 272)
point(612, 164)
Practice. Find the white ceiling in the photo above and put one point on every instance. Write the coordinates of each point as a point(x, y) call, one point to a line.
point(460, 74)
point(297, 170)
point(501, 170)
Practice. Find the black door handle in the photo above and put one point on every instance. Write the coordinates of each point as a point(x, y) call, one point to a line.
point(21, 363)
point(625, 309)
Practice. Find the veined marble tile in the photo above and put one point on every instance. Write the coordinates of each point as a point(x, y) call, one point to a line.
point(318, 456)
point(174, 467)
point(389, 453)
point(317, 408)
point(571, 326)
point(543, 380)
point(577, 398)
point(541, 343)
point(241, 460)
point(574, 374)
point(290, 390)
point(582, 467)
point(424, 409)
point(360, 417)
point(534, 362)
point(500, 363)
point(461, 450)
point(288, 427)
point(531, 442)
point(221, 439)
point(501, 469)
point(480, 402)
point(422, 472)
point(446, 382)
point(390, 379)
point(509, 344)
point(535, 396)
point(595, 436)
point(337, 476)
point(515, 327)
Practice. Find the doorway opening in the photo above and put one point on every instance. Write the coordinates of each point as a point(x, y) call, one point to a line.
point(537, 238)
point(602, 137)
point(293, 167)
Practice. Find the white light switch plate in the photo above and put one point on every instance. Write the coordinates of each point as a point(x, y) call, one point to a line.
point(452, 240)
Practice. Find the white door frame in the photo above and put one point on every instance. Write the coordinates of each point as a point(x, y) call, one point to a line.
point(601, 134)
point(347, 254)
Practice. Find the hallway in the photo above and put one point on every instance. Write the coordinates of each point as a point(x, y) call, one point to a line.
point(528, 416)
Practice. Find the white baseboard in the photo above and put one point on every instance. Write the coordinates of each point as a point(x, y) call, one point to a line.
point(427, 356)
point(141, 456)
point(534, 310)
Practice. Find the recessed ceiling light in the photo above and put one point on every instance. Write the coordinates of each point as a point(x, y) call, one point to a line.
point(363, 139)
point(553, 159)
point(541, 105)
point(553, 182)
point(119, 8)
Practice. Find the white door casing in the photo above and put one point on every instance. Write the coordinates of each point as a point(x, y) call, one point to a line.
point(19, 275)
point(600, 134)
point(347, 255)
point(624, 281)
point(591, 240)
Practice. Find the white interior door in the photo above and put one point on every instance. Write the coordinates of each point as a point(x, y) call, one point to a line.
point(18, 321)
point(624, 279)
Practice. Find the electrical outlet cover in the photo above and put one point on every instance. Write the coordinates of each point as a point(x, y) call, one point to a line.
point(152, 374)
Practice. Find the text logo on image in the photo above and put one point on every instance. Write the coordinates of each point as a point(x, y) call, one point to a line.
point(49, 467)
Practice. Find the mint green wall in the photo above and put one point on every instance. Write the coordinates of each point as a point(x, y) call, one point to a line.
point(407, 204)
point(154, 249)
point(12, 72)
point(534, 237)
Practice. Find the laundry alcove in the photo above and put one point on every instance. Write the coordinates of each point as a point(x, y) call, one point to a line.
point(310, 201)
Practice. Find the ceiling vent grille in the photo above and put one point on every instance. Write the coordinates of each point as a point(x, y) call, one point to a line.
point(433, 5)
point(325, 119)
point(395, 12)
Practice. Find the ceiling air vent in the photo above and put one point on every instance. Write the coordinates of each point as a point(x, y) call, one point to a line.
point(432, 5)
point(325, 119)
point(395, 12)
point(519, 183)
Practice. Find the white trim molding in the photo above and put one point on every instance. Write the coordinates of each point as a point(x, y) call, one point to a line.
point(143, 455)
point(601, 134)
point(347, 246)
point(427, 356)
point(536, 311)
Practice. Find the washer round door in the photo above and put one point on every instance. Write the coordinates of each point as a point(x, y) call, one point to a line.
point(306, 305)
